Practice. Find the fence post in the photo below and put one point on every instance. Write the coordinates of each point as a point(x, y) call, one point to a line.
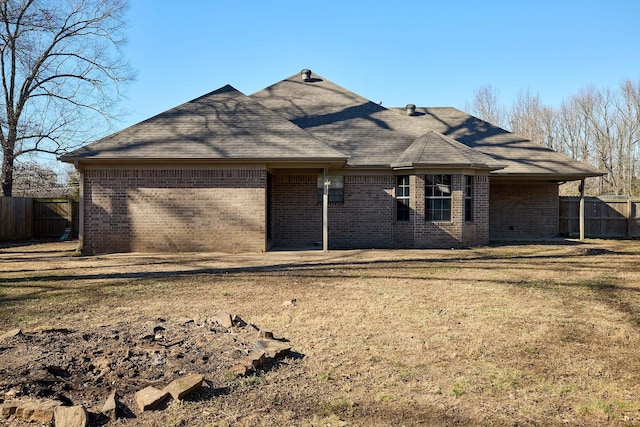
point(70, 215)
point(582, 209)
point(629, 219)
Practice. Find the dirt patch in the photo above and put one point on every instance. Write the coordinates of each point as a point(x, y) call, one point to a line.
point(84, 367)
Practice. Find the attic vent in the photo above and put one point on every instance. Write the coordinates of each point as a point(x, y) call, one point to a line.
point(410, 109)
point(306, 75)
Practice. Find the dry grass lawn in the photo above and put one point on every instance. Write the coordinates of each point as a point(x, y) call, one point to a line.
point(544, 334)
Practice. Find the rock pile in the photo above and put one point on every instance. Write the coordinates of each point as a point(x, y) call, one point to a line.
point(51, 375)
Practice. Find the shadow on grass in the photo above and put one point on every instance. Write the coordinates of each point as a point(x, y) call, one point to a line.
point(5, 246)
point(52, 281)
point(607, 290)
point(297, 267)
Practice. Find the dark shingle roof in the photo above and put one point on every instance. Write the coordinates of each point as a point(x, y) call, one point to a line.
point(224, 124)
point(370, 134)
point(436, 150)
point(522, 157)
point(317, 120)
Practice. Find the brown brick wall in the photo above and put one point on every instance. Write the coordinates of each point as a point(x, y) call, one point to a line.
point(296, 215)
point(224, 210)
point(476, 233)
point(364, 220)
point(174, 210)
point(457, 232)
point(523, 211)
point(367, 218)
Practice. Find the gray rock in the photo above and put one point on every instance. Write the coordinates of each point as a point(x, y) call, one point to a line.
point(223, 319)
point(255, 359)
point(40, 411)
point(71, 416)
point(182, 387)
point(150, 398)
point(110, 407)
point(239, 370)
point(10, 334)
point(273, 348)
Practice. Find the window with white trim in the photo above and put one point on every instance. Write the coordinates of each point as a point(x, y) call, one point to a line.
point(437, 197)
point(468, 198)
point(402, 198)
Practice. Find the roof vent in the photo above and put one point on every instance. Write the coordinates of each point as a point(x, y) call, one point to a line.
point(306, 75)
point(410, 109)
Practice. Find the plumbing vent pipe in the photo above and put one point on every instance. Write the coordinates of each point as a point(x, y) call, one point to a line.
point(306, 75)
point(410, 109)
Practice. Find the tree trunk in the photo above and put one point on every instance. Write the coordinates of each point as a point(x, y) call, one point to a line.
point(7, 173)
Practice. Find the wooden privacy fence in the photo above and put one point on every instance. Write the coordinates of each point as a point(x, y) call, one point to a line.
point(23, 218)
point(16, 218)
point(51, 217)
point(605, 216)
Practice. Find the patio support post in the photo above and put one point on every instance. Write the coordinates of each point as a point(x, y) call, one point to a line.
point(80, 210)
point(325, 211)
point(582, 209)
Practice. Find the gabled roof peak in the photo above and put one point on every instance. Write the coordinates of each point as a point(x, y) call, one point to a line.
point(433, 149)
point(219, 126)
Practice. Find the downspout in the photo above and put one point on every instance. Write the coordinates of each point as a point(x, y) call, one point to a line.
point(325, 211)
point(582, 209)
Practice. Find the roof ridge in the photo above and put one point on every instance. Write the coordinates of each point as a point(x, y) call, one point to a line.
point(424, 145)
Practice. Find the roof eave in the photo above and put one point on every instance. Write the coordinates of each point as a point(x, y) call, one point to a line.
point(411, 165)
point(554, 177)
point(190, 161)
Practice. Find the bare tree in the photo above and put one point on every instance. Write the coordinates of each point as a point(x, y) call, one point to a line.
point(485, 106)
point(573, 131)
point(62, 68)
point(597, 126)
point(33, 180)
point(602, 127)
point(524, 116)
point(535, 121)
point(629, 134)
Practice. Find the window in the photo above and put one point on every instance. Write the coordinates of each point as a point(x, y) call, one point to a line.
point(437, 197)
point(336, 189)
point(468, 198)
point(402, 198)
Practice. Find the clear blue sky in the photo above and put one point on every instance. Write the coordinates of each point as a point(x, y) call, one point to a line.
point(430, 53)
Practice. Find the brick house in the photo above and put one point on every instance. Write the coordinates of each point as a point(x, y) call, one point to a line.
point(306, 163)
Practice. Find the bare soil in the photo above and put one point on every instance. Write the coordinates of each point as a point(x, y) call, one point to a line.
point(531, 334)
point(79, 367)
